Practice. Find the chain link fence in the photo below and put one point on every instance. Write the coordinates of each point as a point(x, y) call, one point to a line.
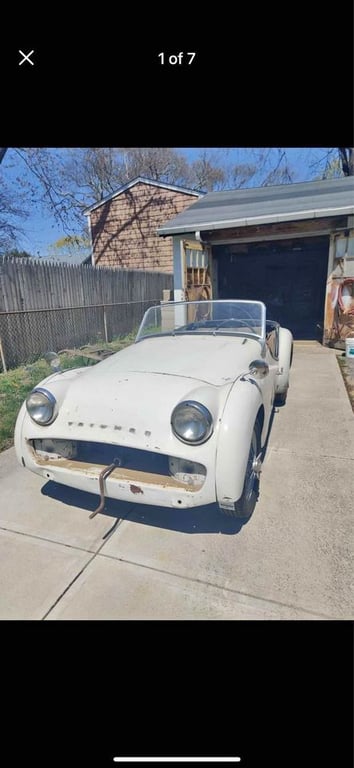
point(25, 335)
point(48, 307)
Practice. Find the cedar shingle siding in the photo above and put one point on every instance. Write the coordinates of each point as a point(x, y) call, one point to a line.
point(124, 229)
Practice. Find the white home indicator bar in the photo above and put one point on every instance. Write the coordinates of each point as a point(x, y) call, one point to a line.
point(177, 759)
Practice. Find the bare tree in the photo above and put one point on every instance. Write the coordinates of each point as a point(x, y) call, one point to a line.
point(158, 163)
point(242, 174)
point(96, 172)
point(46, 185)
point(207, 174)
point(11, 214)
point(93, 173)
point(36, 182)
point(346, 155)
point(264, 167)
point(330, 162)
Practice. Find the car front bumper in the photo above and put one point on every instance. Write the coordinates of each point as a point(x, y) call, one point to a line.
point(139, 484)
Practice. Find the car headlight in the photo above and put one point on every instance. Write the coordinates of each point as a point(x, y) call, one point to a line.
point(192, 422)
point(40, 405)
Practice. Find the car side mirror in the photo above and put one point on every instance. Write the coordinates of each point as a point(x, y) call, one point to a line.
point(259, 369)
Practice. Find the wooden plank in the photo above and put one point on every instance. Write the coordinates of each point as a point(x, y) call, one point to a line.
point(4, 304)
point(286, 228)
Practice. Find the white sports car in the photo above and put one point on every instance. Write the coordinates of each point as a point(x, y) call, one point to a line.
point(177, 419)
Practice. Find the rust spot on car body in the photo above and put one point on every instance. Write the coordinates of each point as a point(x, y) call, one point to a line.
point(135, 489)
point(92, 470)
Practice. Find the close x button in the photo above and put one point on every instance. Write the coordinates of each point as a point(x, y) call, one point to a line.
point(26, 58)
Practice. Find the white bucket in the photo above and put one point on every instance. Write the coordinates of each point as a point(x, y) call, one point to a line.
point(349, 348)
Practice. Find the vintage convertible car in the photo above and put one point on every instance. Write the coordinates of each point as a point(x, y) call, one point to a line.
point(177, 419)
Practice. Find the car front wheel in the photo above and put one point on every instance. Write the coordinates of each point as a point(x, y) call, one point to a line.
point(280, 398)
point(244, 507)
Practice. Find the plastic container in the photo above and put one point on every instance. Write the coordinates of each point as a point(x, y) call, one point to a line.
point(349, 348)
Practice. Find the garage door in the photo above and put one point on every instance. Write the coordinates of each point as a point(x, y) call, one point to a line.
point(289, 276)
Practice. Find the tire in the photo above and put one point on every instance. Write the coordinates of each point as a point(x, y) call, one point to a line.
point(244, 506)
point(280, 398)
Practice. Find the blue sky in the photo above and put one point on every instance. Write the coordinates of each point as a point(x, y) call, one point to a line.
point(41, 229)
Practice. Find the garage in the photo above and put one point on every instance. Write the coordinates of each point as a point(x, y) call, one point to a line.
point(291, 246)
point(289, 276)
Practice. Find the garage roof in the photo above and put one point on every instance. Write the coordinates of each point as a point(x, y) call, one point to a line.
point(265, 205)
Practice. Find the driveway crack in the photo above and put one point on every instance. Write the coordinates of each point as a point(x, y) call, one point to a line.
point(83, 569)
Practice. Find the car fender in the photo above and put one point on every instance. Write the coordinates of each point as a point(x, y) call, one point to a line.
point(234, 439)
point(285, 359)
point(18, 432)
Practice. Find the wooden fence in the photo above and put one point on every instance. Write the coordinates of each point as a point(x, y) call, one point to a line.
point(45, 307)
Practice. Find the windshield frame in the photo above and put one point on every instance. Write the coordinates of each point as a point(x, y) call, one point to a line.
point(141, 334)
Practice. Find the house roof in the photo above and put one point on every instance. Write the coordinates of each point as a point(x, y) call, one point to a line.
point(265, 205)
point(142, 180)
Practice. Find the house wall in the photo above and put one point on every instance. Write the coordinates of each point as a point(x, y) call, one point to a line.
point(124, 229)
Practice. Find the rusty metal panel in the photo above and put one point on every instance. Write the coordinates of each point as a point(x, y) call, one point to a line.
point(339, 312)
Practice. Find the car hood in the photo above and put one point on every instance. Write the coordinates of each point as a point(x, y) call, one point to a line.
point(129, 397)
point(209, 359)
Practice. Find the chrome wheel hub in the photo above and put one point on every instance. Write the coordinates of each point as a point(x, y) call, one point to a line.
point(254, 467)
point(257, 465)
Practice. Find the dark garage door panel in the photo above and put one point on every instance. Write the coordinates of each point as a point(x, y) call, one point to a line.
point(290, 277)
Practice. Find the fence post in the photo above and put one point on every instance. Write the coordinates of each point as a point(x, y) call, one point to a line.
point(105, 324)
point(2, 357)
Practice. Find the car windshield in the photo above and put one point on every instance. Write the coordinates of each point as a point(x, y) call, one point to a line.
point(238, 318)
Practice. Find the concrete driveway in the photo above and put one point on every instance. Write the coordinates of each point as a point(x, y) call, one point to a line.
point(291, 560)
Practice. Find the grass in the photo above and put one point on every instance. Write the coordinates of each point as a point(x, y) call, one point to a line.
point(16, 384)
point(14, 387)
